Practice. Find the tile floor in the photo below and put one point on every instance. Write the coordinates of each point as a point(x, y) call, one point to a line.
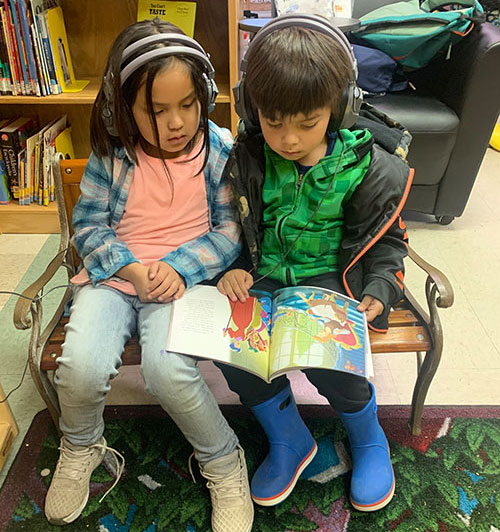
point(467, 250)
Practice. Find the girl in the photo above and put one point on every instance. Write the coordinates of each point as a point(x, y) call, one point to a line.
point(154, 218)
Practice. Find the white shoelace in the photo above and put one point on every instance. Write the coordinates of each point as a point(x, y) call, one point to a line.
point(68, 464)
point(119, 462)
point(224, 486)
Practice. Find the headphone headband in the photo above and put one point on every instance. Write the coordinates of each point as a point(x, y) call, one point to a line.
point(161, 37)
point(304, 20)
point(164, 52)
point(352, 97)
point(182, 45)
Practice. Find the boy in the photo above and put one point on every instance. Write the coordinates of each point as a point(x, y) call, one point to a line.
point(319, 205)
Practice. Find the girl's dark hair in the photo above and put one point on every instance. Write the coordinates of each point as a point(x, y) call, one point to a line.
point(120, 99)
point(296, 70)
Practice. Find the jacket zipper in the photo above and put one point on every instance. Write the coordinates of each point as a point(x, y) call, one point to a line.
point(281, 223)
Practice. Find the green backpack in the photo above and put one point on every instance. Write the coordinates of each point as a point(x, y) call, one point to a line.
point(412, 33)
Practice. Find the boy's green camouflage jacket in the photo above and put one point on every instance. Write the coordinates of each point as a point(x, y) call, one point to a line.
point(373, 241)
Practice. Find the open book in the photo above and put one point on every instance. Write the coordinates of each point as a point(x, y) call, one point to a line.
point(297, 327)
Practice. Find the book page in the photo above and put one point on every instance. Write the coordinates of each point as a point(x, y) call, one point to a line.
point(206, 324)
point(315, 327)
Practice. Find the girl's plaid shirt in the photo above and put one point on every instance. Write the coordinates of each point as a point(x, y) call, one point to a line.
point(104, 191)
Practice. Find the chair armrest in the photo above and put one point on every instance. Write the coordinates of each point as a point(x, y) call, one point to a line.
point(22, 309)
point(443, 285)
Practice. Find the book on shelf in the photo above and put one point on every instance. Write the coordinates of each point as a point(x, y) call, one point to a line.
point(20, 46)
point(182, 14)
point(29, 46)
point(39, 9)
point(269, 334)
point(34, 151)
point(12, 140)
point(61, 52)
point(4, 184)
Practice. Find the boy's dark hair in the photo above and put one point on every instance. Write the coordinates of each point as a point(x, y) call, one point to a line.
point(122, 98)
point(296, 70)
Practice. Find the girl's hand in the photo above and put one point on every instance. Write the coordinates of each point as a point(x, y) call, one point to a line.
point(235, 285)
point(371, 306)
point(137, 274)
point(165, 284)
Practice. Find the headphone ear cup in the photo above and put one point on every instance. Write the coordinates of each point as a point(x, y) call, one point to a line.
point(354, 99)
point(351, 105)
point(107, 108)
point(212, 92)
point(243, 104)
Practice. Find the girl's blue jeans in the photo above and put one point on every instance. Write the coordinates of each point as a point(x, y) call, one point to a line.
point(102, 320)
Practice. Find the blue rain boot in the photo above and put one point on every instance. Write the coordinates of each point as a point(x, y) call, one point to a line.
point(291, 449)
point(372, 483)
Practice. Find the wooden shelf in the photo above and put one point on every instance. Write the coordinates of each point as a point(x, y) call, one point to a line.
point(86, 97)
point(92, 27)
point(15, 218)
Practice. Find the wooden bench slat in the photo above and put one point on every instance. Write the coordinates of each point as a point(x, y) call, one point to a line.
point(400, 340)
point(404, 335)
point(402, 317)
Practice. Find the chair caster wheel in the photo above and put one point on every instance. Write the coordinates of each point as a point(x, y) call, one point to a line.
point(444, 220)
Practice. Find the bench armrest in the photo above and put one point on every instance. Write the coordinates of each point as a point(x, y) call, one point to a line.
point(443, 285)
point(22, 319)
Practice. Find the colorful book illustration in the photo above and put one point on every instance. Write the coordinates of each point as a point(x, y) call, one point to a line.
point(182, 14)
point(297, 327)
point(60, 51)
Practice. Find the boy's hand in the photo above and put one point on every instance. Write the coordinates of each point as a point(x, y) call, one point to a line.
point(235, 284)
point(165, 284)
point(371, 306)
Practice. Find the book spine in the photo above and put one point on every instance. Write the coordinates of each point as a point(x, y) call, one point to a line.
point(5, 86)
point(19, 48)
point(47, 50)
point(15, 85)
point(44, 83)
point(15, 51)
point(4, 185)
point(10, 149)
point(29, 46)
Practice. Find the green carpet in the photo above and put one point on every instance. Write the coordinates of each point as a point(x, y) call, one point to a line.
point(447, 479)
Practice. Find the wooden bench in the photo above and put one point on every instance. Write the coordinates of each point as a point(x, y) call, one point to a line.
point(411, 328)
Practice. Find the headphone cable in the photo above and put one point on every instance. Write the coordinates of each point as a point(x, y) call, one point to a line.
point(330, 185)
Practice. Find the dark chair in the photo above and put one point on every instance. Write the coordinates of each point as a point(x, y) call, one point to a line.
point(451, 116)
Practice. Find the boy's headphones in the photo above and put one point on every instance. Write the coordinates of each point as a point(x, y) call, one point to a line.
point(178, 44)
point(352, 97)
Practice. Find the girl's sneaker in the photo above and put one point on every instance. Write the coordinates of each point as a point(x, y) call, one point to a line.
point(232, 507)
point(69, 490)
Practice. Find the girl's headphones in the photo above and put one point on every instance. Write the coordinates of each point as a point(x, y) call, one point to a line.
point(178, 44)
point(353, 95)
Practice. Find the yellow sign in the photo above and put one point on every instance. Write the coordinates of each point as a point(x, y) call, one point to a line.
point(182, 14)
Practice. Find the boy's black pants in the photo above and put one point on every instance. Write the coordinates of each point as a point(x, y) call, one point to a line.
point(345, 392)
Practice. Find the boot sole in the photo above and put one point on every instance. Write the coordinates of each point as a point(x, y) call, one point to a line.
point(379, 504)
point(280, 497)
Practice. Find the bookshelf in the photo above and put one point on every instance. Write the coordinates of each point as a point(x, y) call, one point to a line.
point(92, 26)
